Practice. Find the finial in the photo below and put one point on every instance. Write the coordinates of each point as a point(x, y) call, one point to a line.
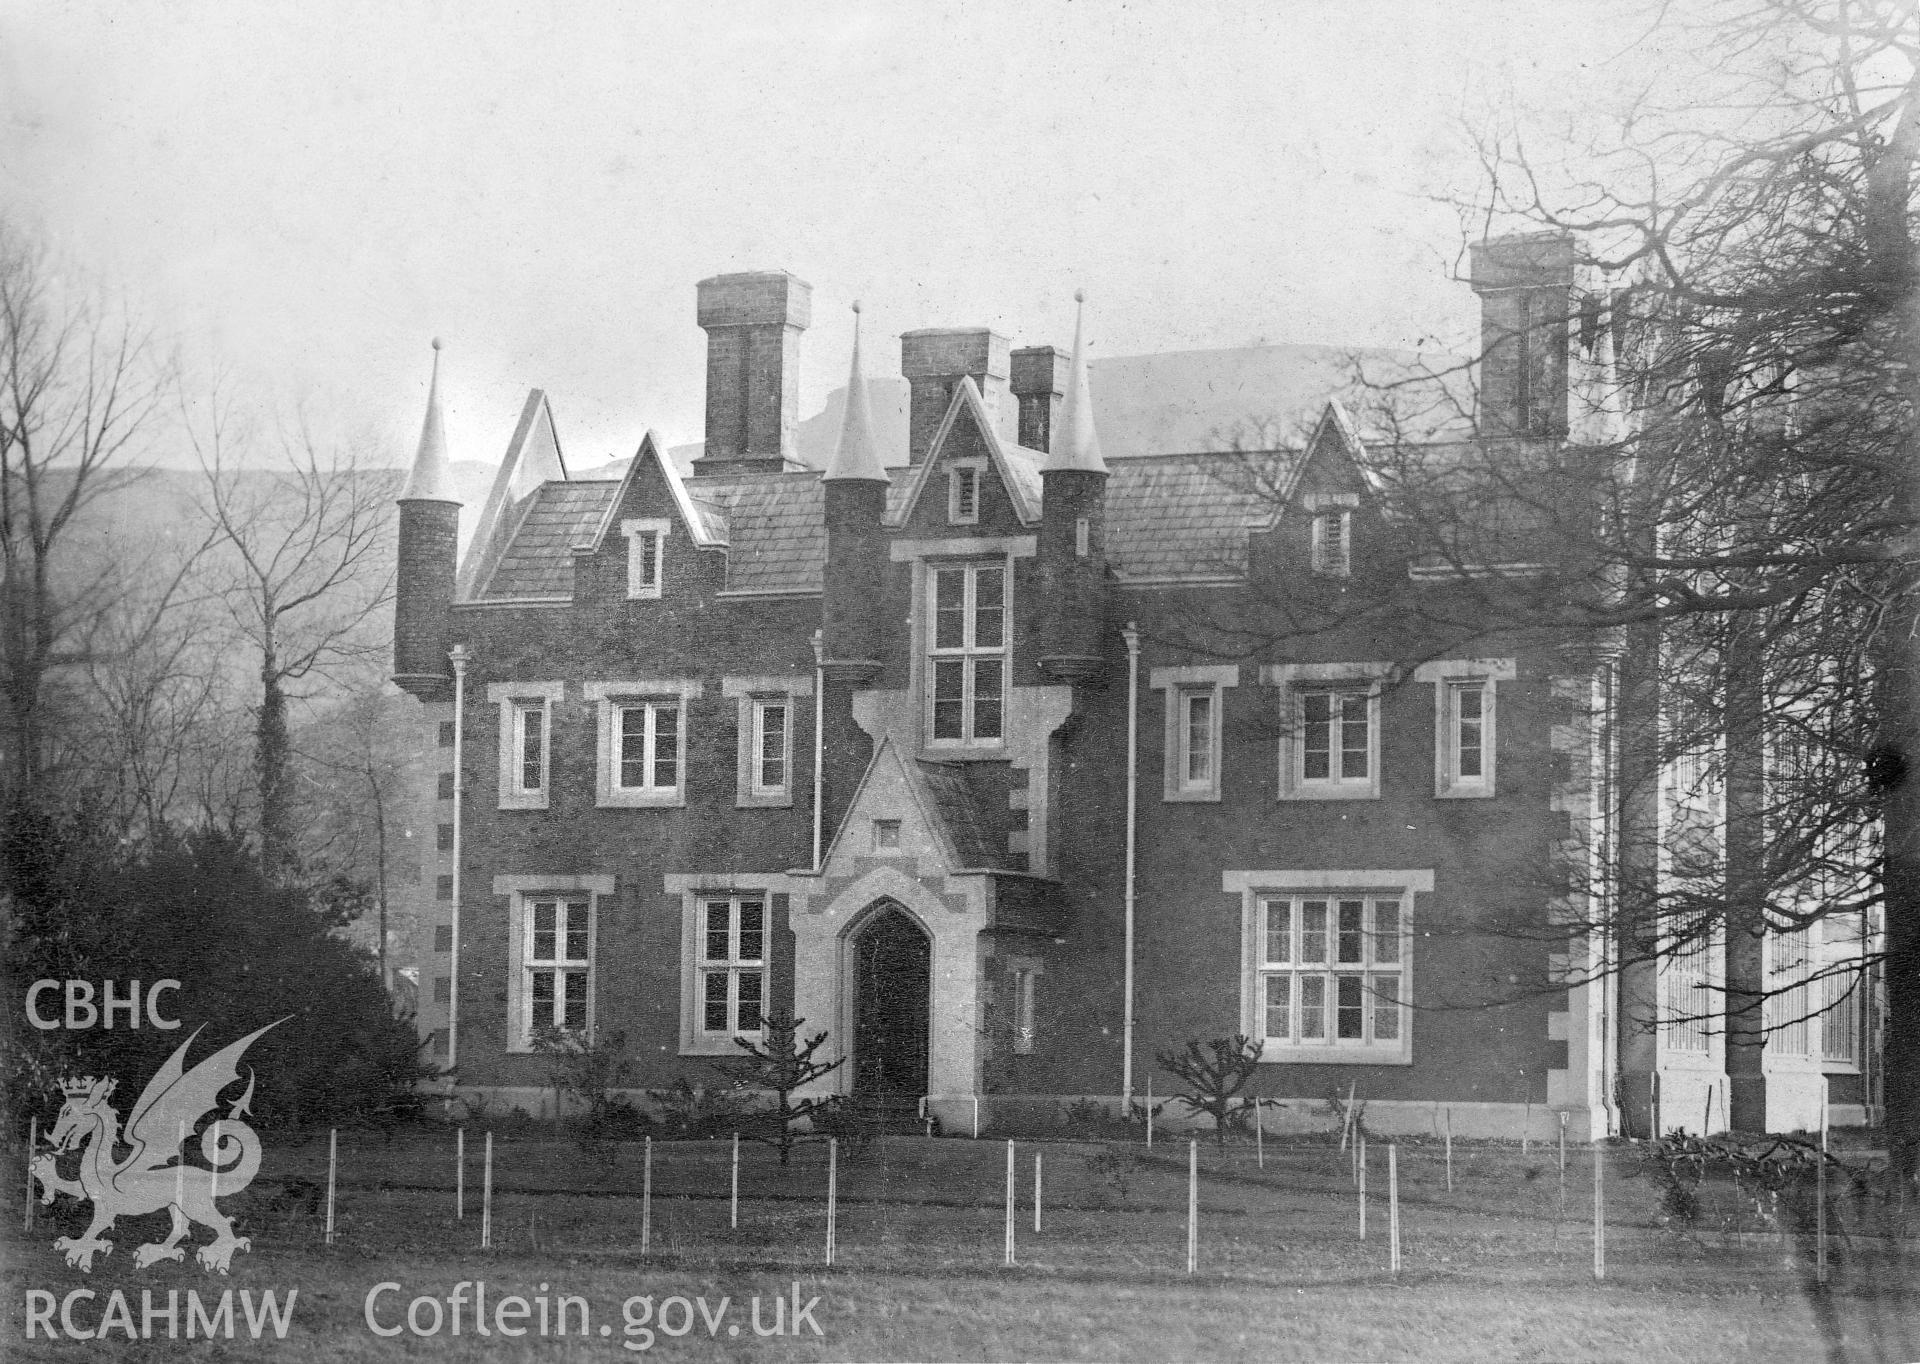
point(437, 343)
point(856, 305)
point(1079, 296)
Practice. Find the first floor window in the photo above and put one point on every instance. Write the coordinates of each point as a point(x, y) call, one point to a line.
point(529, 747)
point(1689, 998)
point(1336, 736)
point(1333, 970)
point(772, 746)
point(732, 968)
point(1467, 730)
point(1198, 721)
point(1840, 1018)
point(968, 661)
point(647, 746)
point(556, 962)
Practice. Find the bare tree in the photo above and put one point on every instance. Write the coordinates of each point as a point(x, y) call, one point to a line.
point(80, 389)
point(1725, 515)
point(308, 579)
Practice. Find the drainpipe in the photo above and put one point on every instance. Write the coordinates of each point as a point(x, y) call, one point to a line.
point(819, 736)
point(458, 656)
point(1132, 635)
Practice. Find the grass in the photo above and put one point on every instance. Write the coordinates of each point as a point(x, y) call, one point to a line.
point(1494, 1270)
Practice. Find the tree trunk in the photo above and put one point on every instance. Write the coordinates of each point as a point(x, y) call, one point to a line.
point(1746, 878)
point(272, 749)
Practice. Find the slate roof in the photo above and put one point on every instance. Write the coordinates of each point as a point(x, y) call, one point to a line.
point(774, 526)
point(1175, 516)
point(973, 842)
point(537, 560)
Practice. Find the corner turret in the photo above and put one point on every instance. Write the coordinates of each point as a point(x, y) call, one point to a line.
point(428, 559)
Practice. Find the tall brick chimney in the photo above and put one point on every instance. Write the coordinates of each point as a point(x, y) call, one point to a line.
point(1039, 384)
point(1525, 285)
point(934, 360)
point(753, 323)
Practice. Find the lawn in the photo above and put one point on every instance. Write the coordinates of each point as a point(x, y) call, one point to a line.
point(1498, 1268)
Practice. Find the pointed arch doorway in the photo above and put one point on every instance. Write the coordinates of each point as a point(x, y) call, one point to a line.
point(892, 996)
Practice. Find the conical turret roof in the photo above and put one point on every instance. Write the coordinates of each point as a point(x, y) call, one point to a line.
point(1077, 445)
point(856, 457)
point(432, 476)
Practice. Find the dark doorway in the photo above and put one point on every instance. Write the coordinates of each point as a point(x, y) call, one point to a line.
point(892, 980)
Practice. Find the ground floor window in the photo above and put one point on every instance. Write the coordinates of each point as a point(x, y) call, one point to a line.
point(731, 971)
point(556, 964)
point(1332, 971)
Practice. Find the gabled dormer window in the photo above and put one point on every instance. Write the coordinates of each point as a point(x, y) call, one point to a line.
point(963, 493)
point(646, 546)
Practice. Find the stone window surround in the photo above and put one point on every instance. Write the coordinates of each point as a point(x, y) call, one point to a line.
point(1251, 885)
point(745, 691)
point(634, 528)
point(518, 890)
point(1178, 682)
point(1290, 679)
point(505, 695)
point(606, 696)
point(1446, 675)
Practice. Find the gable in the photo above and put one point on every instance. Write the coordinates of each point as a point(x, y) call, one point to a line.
point(1008, 478)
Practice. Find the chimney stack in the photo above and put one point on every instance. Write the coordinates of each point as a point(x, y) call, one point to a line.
point(753, 323)
point(1525, 285)
point(934, 360)
point(1039, 384)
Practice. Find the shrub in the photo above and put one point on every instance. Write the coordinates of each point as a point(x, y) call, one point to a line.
point(1214, 1078)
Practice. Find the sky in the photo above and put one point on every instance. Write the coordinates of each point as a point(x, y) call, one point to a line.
point(302, 196)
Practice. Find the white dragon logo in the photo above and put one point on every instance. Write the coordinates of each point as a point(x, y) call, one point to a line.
point(155, 1174)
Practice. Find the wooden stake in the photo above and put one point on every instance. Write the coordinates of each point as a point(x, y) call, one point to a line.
point(1036, 1191)
point(976, 1117)
point(33, 1141)
point(486, 1197)
point(1149, 1112)
point(1449, 1148)
point(1360, 1152)
point(460, 1174)
point(1599, 1211)
point(1526, 1129)
point(1010, 1196)
point(1393, 1207)
point(1820, 1203)
point(833, 1192)
point(733, 1209)
point(333, 1166)
point(1346, 1117)
point(1259, 1138)
point(646, 1197)
point(1193, 1205)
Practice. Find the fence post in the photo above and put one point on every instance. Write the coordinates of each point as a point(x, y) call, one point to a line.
point(733, 1210)
point(460, 1174)
point(646, 1197)
point(1259, 1137)
point(1449, 1148)
point(1393, 1207)
point(486, 1197)
point(333, 1165)
point(1149, 1112)
point(833, 1191)
point(1010, 1201)
point(1599, 1210)
point(976, 1117)
point(1820, 1197)
point(1193, 1204)
point(1036, 1191)
point(1360, 1153)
